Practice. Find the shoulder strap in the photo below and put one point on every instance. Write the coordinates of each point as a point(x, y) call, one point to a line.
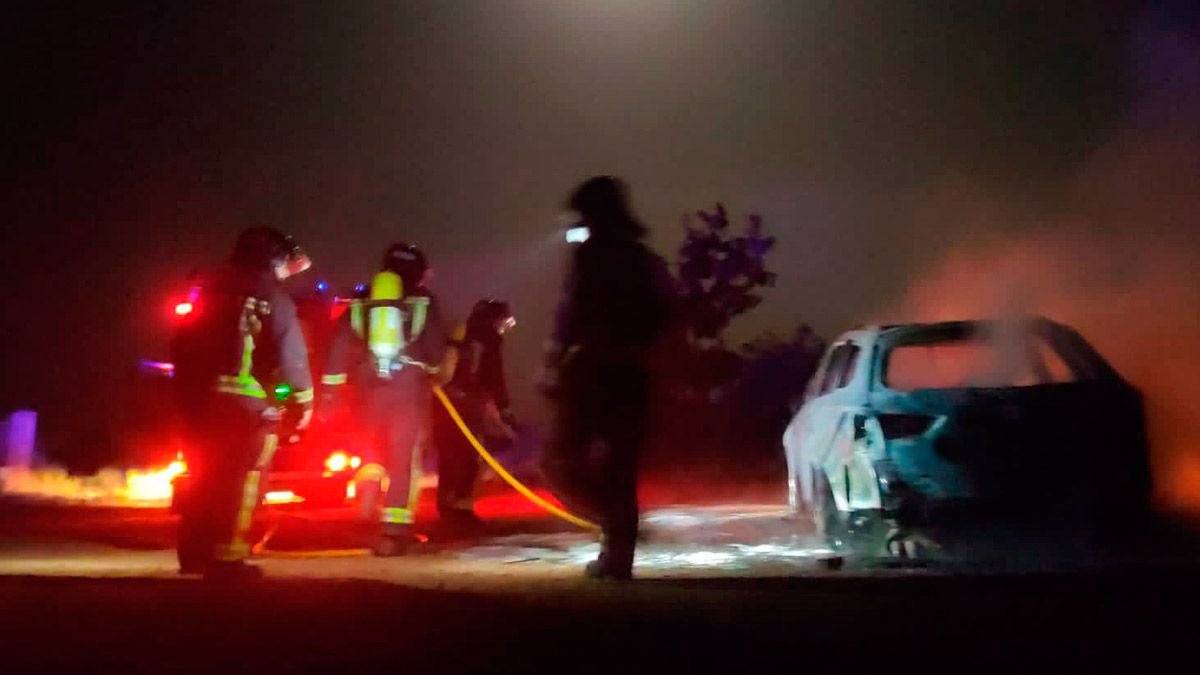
point(420, 309)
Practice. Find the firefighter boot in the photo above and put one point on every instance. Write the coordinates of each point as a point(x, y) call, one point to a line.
point(614, 562)
point(601, 568)
point(396, 540)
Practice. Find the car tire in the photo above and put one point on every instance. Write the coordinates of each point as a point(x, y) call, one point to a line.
point(861, 533)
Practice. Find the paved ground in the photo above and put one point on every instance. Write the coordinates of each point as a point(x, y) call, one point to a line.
point(679, 542)
point(733, 584)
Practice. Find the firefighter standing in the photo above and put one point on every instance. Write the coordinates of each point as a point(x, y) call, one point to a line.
point(473, 373)
point(242, 339)
point(388, 345)
point(614, 308)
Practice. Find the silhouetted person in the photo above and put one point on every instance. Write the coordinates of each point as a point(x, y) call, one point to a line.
point(614, 308)
point(241, 340)
point(388, 346)
point(473, 370)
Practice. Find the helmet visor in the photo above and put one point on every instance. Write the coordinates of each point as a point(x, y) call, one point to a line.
point(297, 261)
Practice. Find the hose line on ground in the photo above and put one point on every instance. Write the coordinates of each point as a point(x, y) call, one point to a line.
point(502, 472)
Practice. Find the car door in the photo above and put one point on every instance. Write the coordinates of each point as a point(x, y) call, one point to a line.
point(831, 404)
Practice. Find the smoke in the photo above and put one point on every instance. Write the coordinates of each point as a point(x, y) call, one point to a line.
point(1119, 259)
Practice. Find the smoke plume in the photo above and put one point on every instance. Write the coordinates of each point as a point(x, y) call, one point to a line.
point(1119, 259)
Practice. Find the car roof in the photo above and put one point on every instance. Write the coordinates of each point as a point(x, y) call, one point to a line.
point(937, 326)
point(1038, 323)
point(1066, 340)
point(904, 331)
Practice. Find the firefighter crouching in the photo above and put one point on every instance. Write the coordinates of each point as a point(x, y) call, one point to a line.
point(242, 339)
point(472, 374)
point(388, 346)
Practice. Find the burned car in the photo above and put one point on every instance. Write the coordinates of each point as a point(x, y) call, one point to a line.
point(925, 425)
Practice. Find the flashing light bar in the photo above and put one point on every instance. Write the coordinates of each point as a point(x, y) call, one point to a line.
point(167, 369)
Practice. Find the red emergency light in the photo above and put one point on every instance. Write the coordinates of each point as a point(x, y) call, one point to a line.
point(184, 308)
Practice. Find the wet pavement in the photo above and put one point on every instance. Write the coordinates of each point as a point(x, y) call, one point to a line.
point(753, 540)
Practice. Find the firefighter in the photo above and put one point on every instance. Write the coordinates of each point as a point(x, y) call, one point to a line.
point(473, 376)
point(241, 340)
point(388, 346)
point(614, 309)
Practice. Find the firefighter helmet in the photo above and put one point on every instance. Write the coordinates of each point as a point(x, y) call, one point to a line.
point(266, 248)
point(603, 203)
point(407, 261)
point(490, 315)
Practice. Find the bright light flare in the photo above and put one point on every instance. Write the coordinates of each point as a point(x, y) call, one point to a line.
point(184, 308)
point(338, 461)
point(282, 497)
point(578, 235)
point(153, 486)
point(167, 369)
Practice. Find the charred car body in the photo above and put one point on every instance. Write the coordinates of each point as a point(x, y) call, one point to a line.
point(926, 425)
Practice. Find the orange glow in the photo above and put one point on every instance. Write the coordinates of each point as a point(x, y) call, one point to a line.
point(150, 486)
point(111, 486)
point(282, 497)
point(338, 461)
point(184, 308)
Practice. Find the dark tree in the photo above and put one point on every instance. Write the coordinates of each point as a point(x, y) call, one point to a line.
point(726, 408)
point(719, 272)
point(771, 383)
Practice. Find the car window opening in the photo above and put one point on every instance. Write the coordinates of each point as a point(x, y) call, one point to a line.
point(973, 361)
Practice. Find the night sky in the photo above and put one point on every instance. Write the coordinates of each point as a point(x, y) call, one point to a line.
point(141, 138)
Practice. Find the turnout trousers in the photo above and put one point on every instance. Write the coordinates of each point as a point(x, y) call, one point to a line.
point(396, 414)
point(229, 449)
point(457, 462)
point(593, 459)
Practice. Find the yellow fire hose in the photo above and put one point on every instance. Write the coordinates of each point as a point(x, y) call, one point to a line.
point(517, 485)
point(502, 472)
